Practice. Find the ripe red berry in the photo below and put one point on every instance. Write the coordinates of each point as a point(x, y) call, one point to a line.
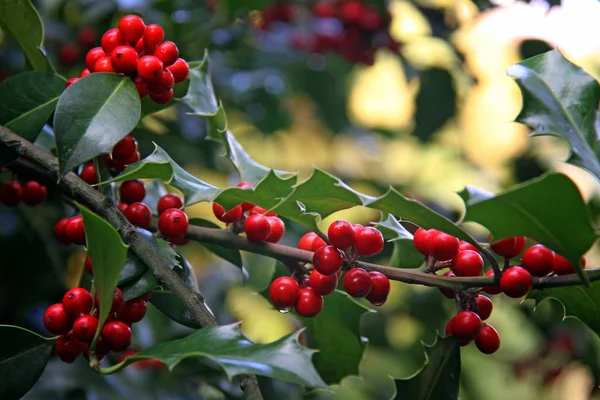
point(516, 282)
point(162, 98)
point(84, 72)
point(124, 149)
point(447, 292)
point(88, 265)
point(141, 85)
point(84, 328)
point(357, 282)
point(328, 260)
point(508, 247)
point(132, 191)
point(380, 288)
point(111, 39)
point(167, 52)
point(124, 59)
point(11, 193)
point(92, 56)
point(68, 347)
point(180, 70)
point(370, 19)
point(262, 211)
point(153, 36)
point(309, 303)
point(69, 54)
point(33, 193)
point(138, 214)
point(149, 68)
point(368, 241)
point(324, 9)
point(70, 82)
point(422, 240)
point(538, 260)
point(352, 11)
point(132, 28)
point(488, 340)
point(322, 284)
point(88, 174)
point(484, 307)
point(167, 201)
point(341, 234)
point(173, 223)
point(491, 289)
point(230, 216)
point(77, 301)
point(284, 292)
point(56, 319)
point(257, 227)
point(163, 84)
point(277, 229)
point(443, 247)
point(75, 230)
point(467, 263)
point(311, 242)
point(462, 245)
point(465, 325)
point(132, 311)
point(60, 231)
point(103, 65)
point(562, 266)
point(116, 335)
point(87, 36)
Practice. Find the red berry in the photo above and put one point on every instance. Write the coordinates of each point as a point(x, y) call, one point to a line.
point(341, 234)
point(84, 72)
point(562, 266)
point(357, 282)
point(92, 56)
point(449, 332)
point(322, 284)
point(324, 9)
point(117, 303)
point(116, 335)
point(277, 230)
point(88, 174)
point(138, 214)
point(167, 52)
point(538, 260)
point(487, 340)
point(180, 70)
point(368, 241)
point(370, 19)
point(141, 85)
point(447, 292)
point(103, 65)
point(462, 245)
point(162, 98)
point(262, 211)
point(516, 282)
point(352, 11)
point(153, 36)
point(69, 54)
point(124, 59)
point(465, 325)
point(87, 36)
point(77, 301)
point(380, 288)
point(230, 216)
point(68, 347)
point(111, 39)
point(422, 240)
point(491, 289)
point(75, 230)
point(132, 191)
point(484, 307)
point(124, 149)
point(56, 319)
point(443, 247)
point(60, 231)
point(163, 84)
point(132, 28)
point(311, 242)
point(123, 207)
point(245, 206)
point(33, 193)
point(84, 328)
point(132, 311)
point(70, 82)
point(509, 247)
point(328, 260)
point(173, 223)
point(257, 227)
point(467, 263)
point(135, 157)
point(284, 292)
point(169, 200)
point(88, 265)
point(11, 193)
point(149, 68)
point(309, 303)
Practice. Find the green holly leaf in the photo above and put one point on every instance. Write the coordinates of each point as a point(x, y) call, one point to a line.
point(232, 255)
point(439, 377)
point(336, 333)
point(549, 209)
point(21, 20)
point(23, 357)
point(134, 268)
point(92, 115)
point(560, 99)
point(143, 284)
point(404, 255)
point(167, 303)
point(27, 100)
point(283, 359)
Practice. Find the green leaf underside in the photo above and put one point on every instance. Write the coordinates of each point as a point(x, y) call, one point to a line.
point(167, 303)
point(336, 333)
point(232, 255)
point(22, 21)
point(92, 115)
point(439, 378)
point(23, 357)
point(141, 285)
point(27, 100)
point(283, 359)
point(560, 99)
point(548, 209)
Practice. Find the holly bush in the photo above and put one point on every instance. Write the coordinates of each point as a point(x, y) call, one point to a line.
point(130, 311)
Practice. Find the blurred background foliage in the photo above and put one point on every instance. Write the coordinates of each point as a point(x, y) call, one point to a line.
point(428, 120)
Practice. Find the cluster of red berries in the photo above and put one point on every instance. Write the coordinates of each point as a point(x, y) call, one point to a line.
point(351, 28)
point(138, 51)
point(12, 193)
point(259, 224)
point(348, 243)
point(75, 319)
point(125, 152)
